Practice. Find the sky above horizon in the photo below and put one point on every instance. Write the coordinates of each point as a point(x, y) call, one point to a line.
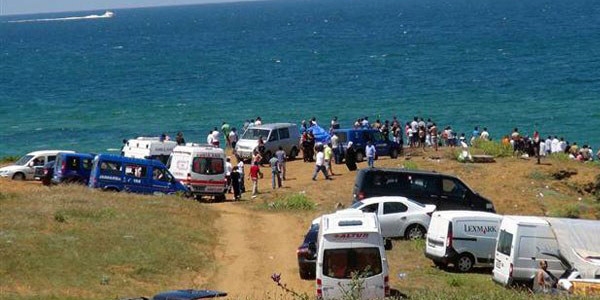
point(17, 7)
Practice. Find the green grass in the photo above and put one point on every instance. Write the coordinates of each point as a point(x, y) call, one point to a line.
point(297, 201)
point(410, 165)
point(495, 149)
point(71, 242)
point(8, 159)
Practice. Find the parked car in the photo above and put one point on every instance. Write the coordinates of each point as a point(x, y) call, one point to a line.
point(274, 135)
point(47, 172)
point(462, 238)
point(360, 137)
point(25, 168)
point(146, 176)
point(72, 168)
point(399, 216)
point(445, 191)
point(307, 252)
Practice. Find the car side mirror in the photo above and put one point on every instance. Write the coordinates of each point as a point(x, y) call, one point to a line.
point(312, 247)
point(30, 164)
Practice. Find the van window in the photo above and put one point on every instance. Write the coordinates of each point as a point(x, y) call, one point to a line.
point(420, 183)
point(254, 133)
point(274, 136)
point(110, 168)
point(138, 171)
point(341, 263)
point(207, 165)
point(161, 175)
point(453, 187)
point(504, 242)
point(87, 163)
point(393, 207)
point(343, 136)
point(377, 136)
point(51, 158)
point(284, 133)
point(72, 163)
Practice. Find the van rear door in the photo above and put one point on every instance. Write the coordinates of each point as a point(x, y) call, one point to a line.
point(503, 267)
point(437, 236)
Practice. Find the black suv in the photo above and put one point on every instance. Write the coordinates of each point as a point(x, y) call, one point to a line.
point(447, 192)
point(307, 253)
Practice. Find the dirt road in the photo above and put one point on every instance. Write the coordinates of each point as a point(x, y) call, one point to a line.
point(252, 246)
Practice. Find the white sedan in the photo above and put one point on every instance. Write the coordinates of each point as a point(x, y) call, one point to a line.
point(399, 216)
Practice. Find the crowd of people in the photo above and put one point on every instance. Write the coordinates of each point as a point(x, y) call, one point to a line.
point(418, 133)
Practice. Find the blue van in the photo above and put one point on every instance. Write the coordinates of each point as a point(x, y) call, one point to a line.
point(359, 138)
point(72, 168)
point(145, 176)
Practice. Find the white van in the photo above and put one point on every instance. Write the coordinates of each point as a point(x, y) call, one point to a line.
point(463, 238)
point(200, 167)
point(148, 148)
point(524, 240)
point(25, 168)
point(521, 241)
point(274, 135)
point(350, 242)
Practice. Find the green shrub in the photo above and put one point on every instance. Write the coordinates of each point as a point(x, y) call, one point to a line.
point(410, 165)
point(291, 202)
point(8, 159)
point(495, 149)
point(455, 281)
point(560, 157)
point(571, 210)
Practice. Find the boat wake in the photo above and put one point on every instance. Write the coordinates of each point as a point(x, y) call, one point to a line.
point(106, 15)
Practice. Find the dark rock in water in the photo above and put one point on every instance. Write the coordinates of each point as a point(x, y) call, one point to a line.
point(562, 174)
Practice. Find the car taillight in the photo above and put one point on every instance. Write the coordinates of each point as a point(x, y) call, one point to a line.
point(510, 271)
point(386, 285)
point(449, 237)
point(189, 178)
point(45, 171)
point(360, 195)
point(63, 166)
point(319, 288)
point(302, 252)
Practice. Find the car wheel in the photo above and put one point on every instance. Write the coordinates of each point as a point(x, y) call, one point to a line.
point(293, 153)
point(415, 232)
point(360, 157)
point(394, 153)
point(220, 198)
point(464, 263)
point(18, 176)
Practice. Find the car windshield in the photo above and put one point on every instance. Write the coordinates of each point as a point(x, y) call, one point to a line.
point(357, 205)
point(255, 133)
point(311, 235)
point(23, 160)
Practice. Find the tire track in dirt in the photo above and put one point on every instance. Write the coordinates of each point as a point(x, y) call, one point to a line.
point(253, 245)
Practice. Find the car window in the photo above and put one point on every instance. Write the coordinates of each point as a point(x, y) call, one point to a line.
point(342, 263)
point(72, 163)
point(110, 168)
point(377, 136)
point(424, 184)
point(135, 170)
point(453, 187)
point(504, 242)
point(393, 208)
point(255, 133)
point(274, 136)
point(87, 163)
point(284, 133)
point(23, 160)
point(161, 175)
point(208, 165)
point(372, 208)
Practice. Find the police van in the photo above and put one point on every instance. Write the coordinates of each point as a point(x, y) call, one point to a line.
point(145, 176)
point(148, 148)
point(200, 167)
point(350, 245)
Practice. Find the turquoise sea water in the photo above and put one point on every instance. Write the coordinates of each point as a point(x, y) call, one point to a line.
point(87, 84)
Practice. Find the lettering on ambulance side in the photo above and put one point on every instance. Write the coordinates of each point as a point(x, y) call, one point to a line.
point(351, 236)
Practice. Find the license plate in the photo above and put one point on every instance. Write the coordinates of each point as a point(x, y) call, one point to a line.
point(214, 188)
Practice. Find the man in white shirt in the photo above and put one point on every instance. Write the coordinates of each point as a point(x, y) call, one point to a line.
point(209, 138)
point(320, 164)
point(228, 169)
point(555, 147)
point(485, 135)
point(335, 145)
point(370, 152)
point(233, 138)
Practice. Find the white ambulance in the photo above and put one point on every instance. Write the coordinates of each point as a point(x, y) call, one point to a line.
point(201, 168)
point(351, 251)
point(148, 148)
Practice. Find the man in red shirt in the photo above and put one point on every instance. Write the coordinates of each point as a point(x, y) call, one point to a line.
point(254, 175)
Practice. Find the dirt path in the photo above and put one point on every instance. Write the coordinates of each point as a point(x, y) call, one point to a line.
point(252, 246)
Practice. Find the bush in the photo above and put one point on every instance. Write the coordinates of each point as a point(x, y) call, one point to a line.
point(410, 165)
point(292, 202)
point(8, 159)
point(567, 211)
point(495, 149)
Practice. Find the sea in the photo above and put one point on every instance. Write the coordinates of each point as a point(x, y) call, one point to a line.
point(80, 81)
